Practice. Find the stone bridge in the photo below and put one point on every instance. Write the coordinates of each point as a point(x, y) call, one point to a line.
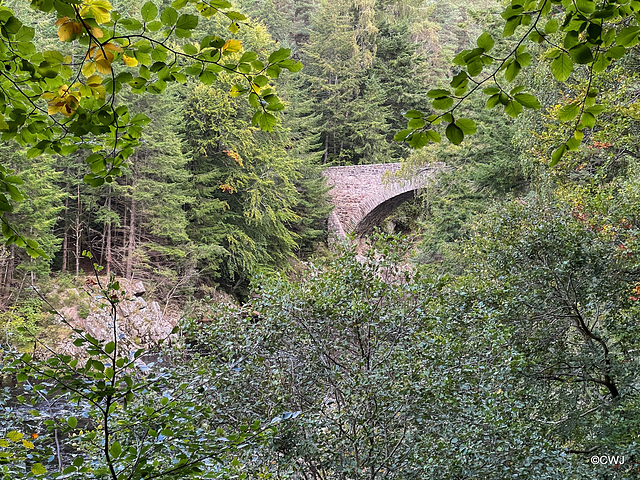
point(364, 195)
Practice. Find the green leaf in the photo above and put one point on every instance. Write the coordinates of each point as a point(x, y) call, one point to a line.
point(438, 93)
point(512, 71)
point(154, 26)
point(15, 194)
point(72, 422)
point(467, 126)
point(279, 55)
point(454, 134)
point(571, 39)
point(149, 11)
point(596, 109)
point(274, 71)
point(552, 53)
point(115, 450)
point(628, 37)
point(207, 78)
point(524, 59)
point(248, 57)
point(189, 49)
point(442, 103)
point(475, 68)
point(557, 155)
point(562, 67)
point(187, 22)
point(551, 26)
point(586, 6)
point(460, 79)
point(267, 121)
point(493, 101)
point(261, 80)
point(237, 16)
point(527, 100)
point(169, 16)
point(433, 135)
point(601, 63)
point(418, 140)
point(290, 65)
point(413, 114)
point(536, 37)
point(38, 469)
point(109, 348)
point(130, 24)
point(416, 123)
point(513, 108)
point(511, 25)
point(587, 120)
point(581, 54)
point(402, 135)
point(569, 112)
point(616, 52)
point(485, 42)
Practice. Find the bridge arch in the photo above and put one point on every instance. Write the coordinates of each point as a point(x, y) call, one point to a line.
point(364, 195)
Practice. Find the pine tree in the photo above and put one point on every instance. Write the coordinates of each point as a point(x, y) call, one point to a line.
point(37, 215)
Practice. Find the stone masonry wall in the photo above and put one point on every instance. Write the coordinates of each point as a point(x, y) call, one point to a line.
point(365, 190)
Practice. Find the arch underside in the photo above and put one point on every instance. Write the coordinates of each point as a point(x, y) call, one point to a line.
point(380, 212)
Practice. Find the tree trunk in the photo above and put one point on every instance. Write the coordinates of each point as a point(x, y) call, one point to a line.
point(65, 238)
point(108, 238)
point(132, 241)
point(78, 233)
point(11, 266)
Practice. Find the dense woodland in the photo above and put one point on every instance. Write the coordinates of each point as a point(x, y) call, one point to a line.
point(489, 329)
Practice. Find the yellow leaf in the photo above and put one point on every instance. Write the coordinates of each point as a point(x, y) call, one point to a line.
point(103, 66)
point(38, 469)
point(62, 20)
point(99, 9)
point(101, 15)
point(88, 69)
point(94, 80)
point(68, 110)
point(65, 32)
point(111, 46)
point(27, 444)
point(99, 3)
point(232, 45)
point(99, 92)
point(68, 30)
point(205, 10)
point(14, 436)
point(97, 32)
point(235, 92)
point(85, 91)
point(3, 442)
point(129, 61)
point(104, 55)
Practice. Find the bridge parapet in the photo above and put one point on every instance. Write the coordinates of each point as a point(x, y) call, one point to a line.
point(363, 195)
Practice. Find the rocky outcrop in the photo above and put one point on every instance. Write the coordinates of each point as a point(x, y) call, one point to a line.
point(138, 323)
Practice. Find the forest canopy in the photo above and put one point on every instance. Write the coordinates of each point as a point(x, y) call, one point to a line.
point(497, 338)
